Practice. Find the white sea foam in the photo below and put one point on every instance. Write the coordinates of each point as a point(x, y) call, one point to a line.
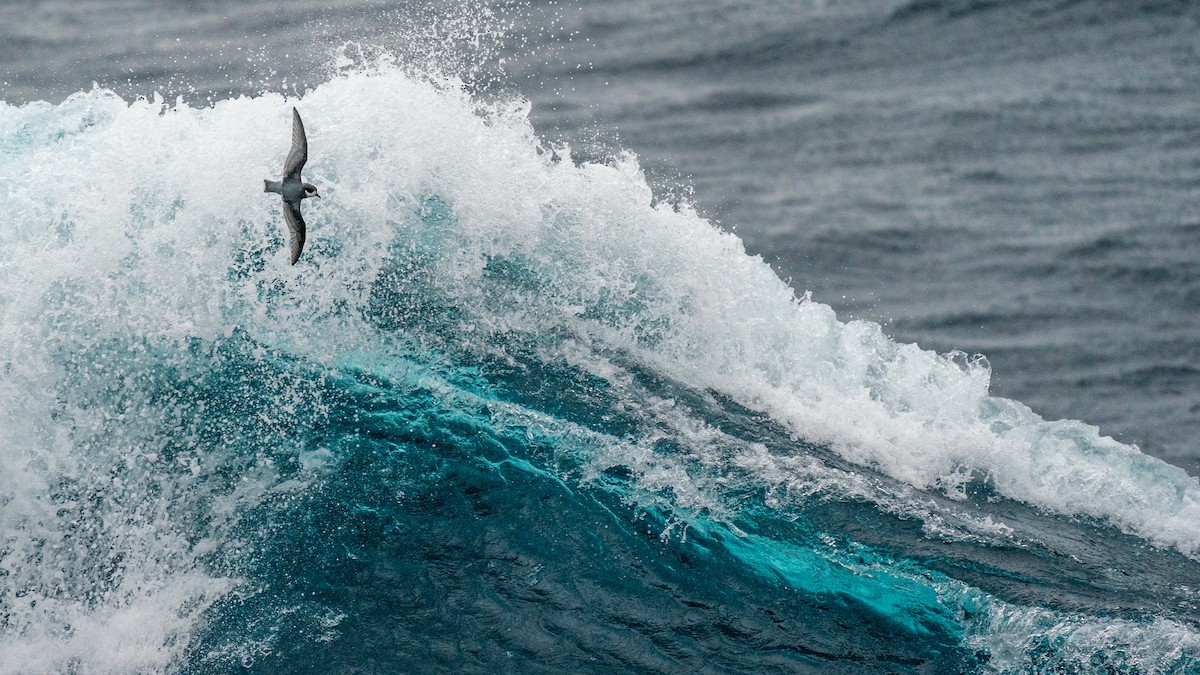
point(659, 281)
point(1023, 639)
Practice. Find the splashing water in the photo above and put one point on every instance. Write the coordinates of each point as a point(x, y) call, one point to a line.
point(493, 373)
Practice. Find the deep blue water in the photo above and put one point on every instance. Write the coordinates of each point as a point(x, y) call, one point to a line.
point(532, 403)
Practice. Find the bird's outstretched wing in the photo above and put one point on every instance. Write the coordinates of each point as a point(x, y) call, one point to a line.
point(299, 153)
point(295, 223)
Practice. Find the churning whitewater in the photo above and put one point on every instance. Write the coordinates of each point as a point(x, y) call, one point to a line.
point(509, 412)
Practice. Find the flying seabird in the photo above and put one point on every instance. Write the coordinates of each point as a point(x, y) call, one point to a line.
point(293, 189)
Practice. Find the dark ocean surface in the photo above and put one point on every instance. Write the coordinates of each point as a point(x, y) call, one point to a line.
point(630, 337)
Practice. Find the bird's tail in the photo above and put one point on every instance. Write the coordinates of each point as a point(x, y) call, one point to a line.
point(272, 186)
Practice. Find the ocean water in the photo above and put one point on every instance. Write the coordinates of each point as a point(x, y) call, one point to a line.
point(644, 337)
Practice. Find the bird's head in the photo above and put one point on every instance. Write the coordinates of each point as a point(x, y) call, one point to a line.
point(310, 190)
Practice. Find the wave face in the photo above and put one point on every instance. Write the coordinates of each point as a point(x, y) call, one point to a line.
point(507, 413)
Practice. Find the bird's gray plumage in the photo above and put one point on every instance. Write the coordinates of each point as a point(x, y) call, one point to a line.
point(292, 188)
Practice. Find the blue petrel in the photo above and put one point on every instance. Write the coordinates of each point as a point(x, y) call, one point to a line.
point(292, 188)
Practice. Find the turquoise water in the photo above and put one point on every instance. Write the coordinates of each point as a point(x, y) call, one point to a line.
point(508, 413)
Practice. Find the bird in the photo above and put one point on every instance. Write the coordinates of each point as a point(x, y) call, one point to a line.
point(292, 188)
